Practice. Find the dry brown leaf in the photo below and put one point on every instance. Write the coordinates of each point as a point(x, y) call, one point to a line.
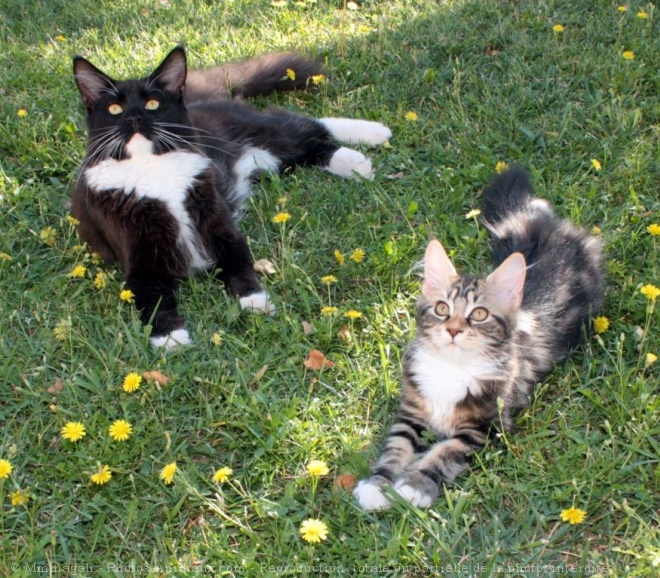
point(56, 387)
point(345, 482)
point(317, 361)
point(345, 333)
point(307, 327)
point(264, 267)
point(156, 376)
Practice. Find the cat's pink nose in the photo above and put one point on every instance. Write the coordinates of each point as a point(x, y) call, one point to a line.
point(453, 331)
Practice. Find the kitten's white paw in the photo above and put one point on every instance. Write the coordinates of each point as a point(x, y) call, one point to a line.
point(258, 302)
point(369, 496)
point(352, 131)
point(172, 339)
point(412, 495)
point(346, 162)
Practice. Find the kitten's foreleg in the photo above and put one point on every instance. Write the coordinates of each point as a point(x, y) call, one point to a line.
point(444, 461)
point(401, 445)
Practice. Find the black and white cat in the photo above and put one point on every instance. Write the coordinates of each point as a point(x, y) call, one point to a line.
point(483, 343)
point(168, 167)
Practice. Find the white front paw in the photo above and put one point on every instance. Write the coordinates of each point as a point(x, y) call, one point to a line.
point(258, 303)
point(369, 496)
point(413, 495)
point(357, 131)
point(347, 162)
point(171, 340)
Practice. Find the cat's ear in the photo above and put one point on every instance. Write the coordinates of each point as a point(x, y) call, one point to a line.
point(506, 283)
point(92, 83)
point(438, 270)
point(171, 73)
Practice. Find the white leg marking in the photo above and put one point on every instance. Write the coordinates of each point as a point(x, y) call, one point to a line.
point(353, 131)
point(346, 162)
point(370, 497)
point(415, 497)
point(251, 161)
point(258, 302)
point(172, 339)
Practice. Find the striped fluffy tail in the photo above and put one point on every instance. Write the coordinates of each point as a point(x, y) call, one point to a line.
point(506, 195)
point(257, 76)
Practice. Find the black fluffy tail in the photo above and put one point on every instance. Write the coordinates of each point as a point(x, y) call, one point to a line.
point(252, 77)
point(507, 194)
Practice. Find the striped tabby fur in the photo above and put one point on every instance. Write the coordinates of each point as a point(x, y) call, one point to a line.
point(483, 343)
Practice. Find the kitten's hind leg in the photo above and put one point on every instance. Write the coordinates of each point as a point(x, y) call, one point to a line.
point(356, 131)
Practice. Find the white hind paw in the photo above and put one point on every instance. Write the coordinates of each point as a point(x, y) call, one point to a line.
point(172, 340)
point(369, 496)
point(347, 163)
point(413, 495)
point(352, 131)
point(258, 302)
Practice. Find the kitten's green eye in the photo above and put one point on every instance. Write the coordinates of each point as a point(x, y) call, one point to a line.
point(441, 309)
point(479, 314)
point(152, 104)
point(115, 109)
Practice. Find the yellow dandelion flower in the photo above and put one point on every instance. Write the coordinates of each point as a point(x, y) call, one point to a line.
point(5, 257)
point(573, 515)
point(120, 430)
point(102, 475)
point(327, 279)
point(358, 255)
point(5, 469)
point(71, 219)
point(281, 218)
point(340, 258)
point(78, 271)
point(500, 167)
point(596, 230)
point(317, 468)
point(167, 473)
point(132, 382)
point(353, 314)
point(601, 324)
point(99, 280)
point(60, 38)
point(21, 112)
point(216, 339)
point(628, 55)
point(473, 214)
point(291, 73)
point(48, 235)
point(327, 311)
point(654, 229)
point(622, 9)
point(411, 115)
point(558, 28)
point(596, 164)
point(19, 498)
point(650, 292)
point(313, 531)
point(641, 14)
point(127, 295)
point(282, 200)
point(222, 475)
point(318, 79)
point(73, 431)
point(62, 330)
point(651, 358)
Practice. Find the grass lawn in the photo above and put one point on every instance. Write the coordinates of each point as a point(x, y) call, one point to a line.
point(487, 82)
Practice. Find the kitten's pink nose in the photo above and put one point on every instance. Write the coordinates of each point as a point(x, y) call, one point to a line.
point(453, 331)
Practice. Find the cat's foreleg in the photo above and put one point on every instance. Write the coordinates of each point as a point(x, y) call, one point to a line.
point(402, 443)
point(444, 461)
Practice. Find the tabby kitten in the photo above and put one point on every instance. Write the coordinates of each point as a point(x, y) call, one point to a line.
point(482, 344)
point(168, 167)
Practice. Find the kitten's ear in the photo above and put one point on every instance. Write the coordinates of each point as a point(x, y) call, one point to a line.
point(506, 283)
point(92, 83)
point(171, 73)
point(438, 270)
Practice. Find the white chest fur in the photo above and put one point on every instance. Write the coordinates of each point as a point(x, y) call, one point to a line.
point(166, 177)
point(444, 382)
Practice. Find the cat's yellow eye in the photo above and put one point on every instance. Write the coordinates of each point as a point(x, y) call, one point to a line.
point(115, 108)
point(479, 314)
point(152, 104)
point(441, 309)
